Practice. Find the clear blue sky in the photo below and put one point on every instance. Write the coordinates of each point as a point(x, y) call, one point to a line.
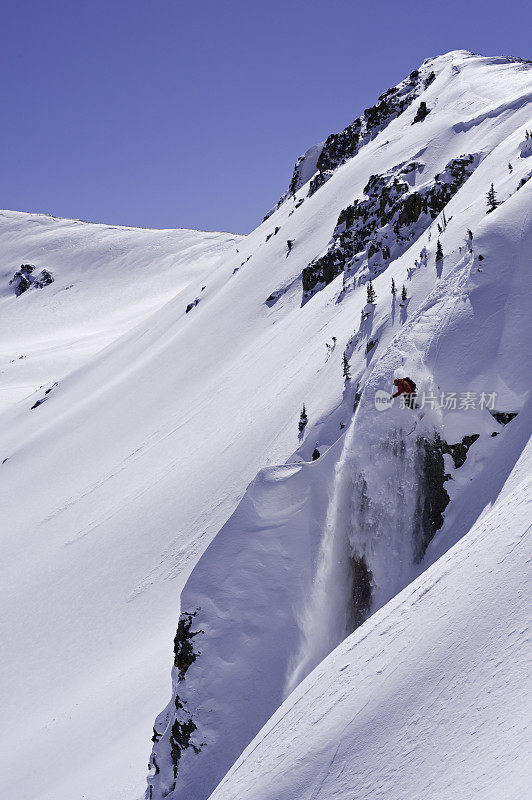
point(183, 113)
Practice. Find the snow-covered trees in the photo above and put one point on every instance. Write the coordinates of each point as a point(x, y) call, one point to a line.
point(371, 294)
point(439, 251)
point(394, 288)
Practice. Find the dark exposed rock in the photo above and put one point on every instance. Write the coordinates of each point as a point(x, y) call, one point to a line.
point(44, 279)
point(180, 740)
point(315, 454)
point(43, 399)
point(340, 147)
point(434, 498)
point(504, 417)
point(184, 654)
point(361, 591)
point(412, 208)
point(25, 279)
point(22, 279)
point(192, 305)
point(177, 728)
point(385, 222)
point(458, 452)
point(421, 113)
point(183, 725)
point(318, 180)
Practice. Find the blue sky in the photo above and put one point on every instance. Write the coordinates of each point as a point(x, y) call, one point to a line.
point(174, 113)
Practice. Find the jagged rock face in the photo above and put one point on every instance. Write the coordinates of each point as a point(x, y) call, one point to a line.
point(340, 147)
point(184, 654)
point(434, 498)
point(44, 279)
point(361, 592)
point(174, 729)
point(503, 417)
point(24, 279)
point(371, 232)
point(421, 113)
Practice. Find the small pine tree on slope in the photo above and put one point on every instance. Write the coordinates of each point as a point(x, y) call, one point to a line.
point(303, 419)
point(347, 369)
point(491, 198)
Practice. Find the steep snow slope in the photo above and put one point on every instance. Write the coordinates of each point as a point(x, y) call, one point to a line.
point(464, 328)
point(120, 480)
point(106, 280)
point(426, 698)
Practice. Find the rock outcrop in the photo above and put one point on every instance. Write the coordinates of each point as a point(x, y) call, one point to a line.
point(25, 279)
point(371, 232)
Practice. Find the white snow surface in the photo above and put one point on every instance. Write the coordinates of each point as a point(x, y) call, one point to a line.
point(426, 698)
point(137, 463)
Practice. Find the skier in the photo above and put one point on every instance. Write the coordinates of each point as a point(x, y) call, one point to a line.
point(407, 387)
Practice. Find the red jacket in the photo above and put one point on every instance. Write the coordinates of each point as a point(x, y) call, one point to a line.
point(403, 387)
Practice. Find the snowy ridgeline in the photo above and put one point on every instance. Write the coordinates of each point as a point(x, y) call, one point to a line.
point(340, 614)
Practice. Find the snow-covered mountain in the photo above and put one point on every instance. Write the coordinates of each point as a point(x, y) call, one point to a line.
point(349, 623)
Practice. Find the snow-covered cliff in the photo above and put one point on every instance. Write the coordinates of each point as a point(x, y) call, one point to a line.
point(297, 568)
point(166, 371)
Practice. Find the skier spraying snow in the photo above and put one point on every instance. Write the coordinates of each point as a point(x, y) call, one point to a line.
point(407, 387)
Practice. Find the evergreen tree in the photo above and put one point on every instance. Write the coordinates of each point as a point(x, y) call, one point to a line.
point(470, 234)
point(492, 199)
point(372, 297)
point(439, 251)
point(394, 288)
point(303, 419)
point(404, 296)
point(347, 369)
